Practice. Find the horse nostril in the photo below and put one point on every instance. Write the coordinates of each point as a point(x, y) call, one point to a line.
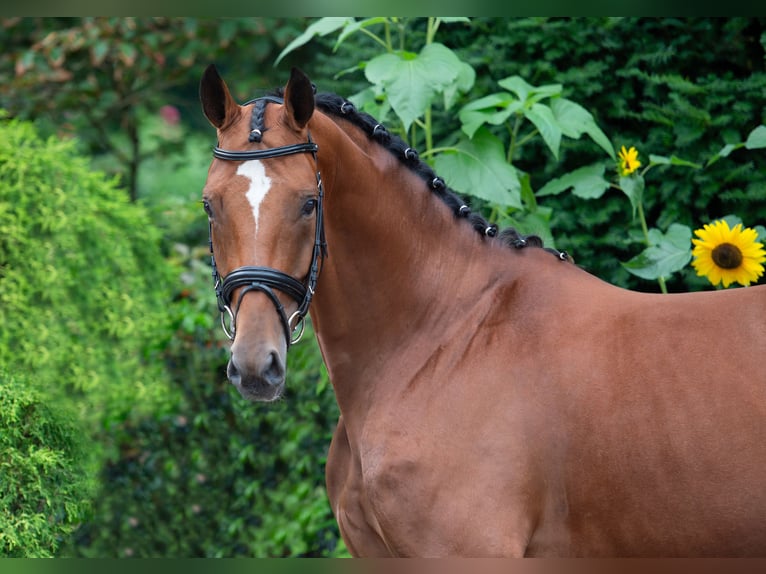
point(273, 371)
point(232, 372)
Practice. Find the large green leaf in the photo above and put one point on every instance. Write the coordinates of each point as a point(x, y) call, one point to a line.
point(575, 120)
point(528, 93)
point(321, 27)
point(545, 122)
point(412, 80)
point(587, 182)
point(669, 252)
point(479, 168)
point(463, 83)
point(633, 187)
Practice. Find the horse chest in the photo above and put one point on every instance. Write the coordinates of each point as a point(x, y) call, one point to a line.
point(408, 487)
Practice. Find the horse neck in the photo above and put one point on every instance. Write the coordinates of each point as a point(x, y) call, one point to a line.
point(399, 262)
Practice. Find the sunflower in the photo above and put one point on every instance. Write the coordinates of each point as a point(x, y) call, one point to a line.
point(723, 254)
point(628, 161)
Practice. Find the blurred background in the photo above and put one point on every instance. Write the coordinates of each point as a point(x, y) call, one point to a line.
point(119, 435)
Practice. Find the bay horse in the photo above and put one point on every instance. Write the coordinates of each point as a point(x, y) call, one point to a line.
point(495, 399)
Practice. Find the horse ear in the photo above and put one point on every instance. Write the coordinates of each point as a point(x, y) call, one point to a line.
point(299, 99)
point(217, 102)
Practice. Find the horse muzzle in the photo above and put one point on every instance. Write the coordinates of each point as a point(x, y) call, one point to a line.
point(260, 378)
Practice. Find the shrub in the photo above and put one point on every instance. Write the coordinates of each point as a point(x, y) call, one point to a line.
point(46, 485)
point(83, 285)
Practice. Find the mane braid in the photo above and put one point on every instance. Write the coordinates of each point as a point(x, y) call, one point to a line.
point(337, 106)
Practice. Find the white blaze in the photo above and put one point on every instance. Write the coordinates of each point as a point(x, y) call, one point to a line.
point(259, 185)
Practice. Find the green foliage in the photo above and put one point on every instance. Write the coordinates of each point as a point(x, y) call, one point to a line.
point(97, 76)
point(44, 464)
point(667, 253)
point(83, 285)
point(670, 87)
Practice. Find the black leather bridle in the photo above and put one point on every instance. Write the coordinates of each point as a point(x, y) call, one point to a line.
point(266, 279)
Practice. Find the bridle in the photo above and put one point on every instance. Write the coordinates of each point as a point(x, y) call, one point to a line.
point(266, 279)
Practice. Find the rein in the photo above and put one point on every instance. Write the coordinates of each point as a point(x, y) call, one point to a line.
point(266, 279)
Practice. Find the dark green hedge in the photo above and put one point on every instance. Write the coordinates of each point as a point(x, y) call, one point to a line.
point(668, 86)
point(221, 477)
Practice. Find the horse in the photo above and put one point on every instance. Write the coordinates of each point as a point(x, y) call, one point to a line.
point(495, 398)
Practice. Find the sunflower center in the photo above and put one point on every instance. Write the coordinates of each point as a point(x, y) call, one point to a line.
point(727, 256)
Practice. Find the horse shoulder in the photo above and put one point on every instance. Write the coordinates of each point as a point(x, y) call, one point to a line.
point(431, 495)
point(346, 493)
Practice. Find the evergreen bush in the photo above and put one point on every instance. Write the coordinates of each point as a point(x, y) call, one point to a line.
point(84, 289)
point(45, 479)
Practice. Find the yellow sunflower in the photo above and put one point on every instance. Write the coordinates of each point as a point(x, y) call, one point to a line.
point(628, 161)
point(726, 255)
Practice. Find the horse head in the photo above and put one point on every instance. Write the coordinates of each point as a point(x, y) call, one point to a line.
point(263, 198)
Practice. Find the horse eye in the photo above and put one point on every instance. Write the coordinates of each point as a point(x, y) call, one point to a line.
point(309, 206)
point(206, 207)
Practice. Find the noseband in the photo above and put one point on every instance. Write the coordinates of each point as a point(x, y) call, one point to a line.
point(266, 279)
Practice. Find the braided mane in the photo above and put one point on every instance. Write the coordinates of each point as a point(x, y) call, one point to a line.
point(337, 106)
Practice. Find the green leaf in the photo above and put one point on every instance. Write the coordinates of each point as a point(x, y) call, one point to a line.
point(633, 187)
point(575, 120)
point(528, 93)
point(732, 220)
point(725, 151)
point(128, 54)
point(412, 80)
point(321, 27)
point(494, 109)
point(668, 253)
point(587, 182)
point(545, 122)
point(463, 83)
point(757, 138)
point(478, 167)
point(527, 193)
point(355, 26)
point(98, 51)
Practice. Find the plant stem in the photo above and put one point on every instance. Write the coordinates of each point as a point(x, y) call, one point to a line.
point(428, 129)
point(514, 134)
point(377, 39)
point(435, 150)
point(433, 26)
point(645, 229)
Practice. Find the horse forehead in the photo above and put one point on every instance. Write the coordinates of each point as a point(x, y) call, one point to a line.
point(258, 185)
